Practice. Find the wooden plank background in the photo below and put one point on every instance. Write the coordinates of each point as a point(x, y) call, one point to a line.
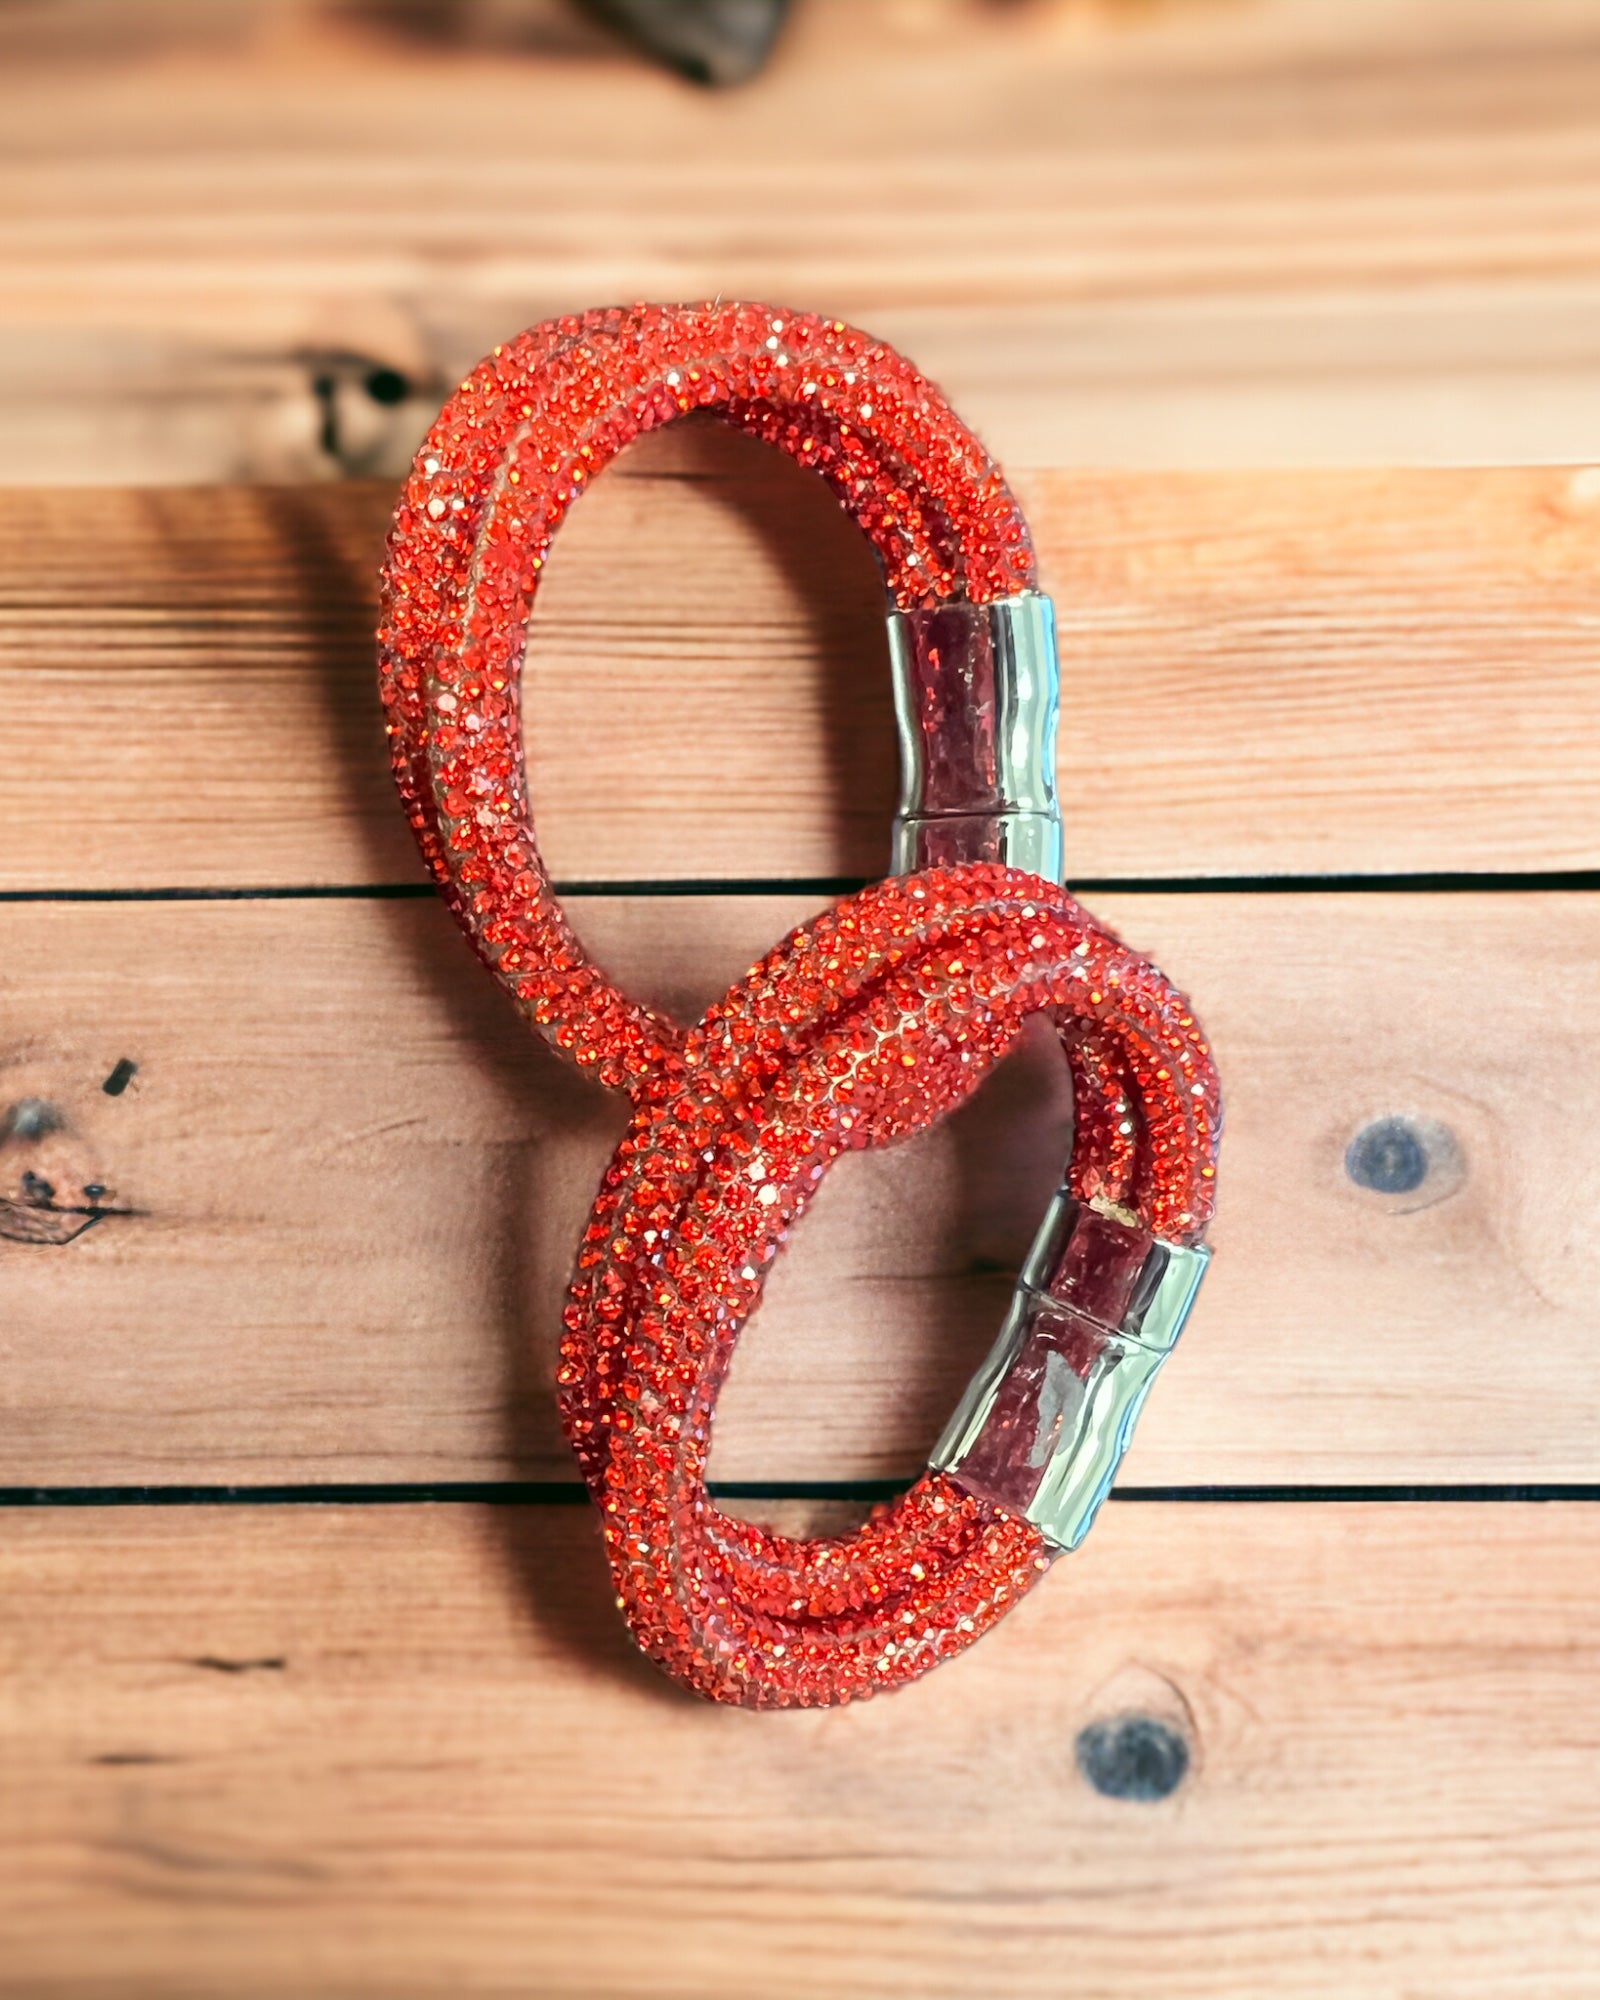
point(406, 1751)
point(1124, 232)
point(352, 1184)
point(1375, 673)
point(1283, 316)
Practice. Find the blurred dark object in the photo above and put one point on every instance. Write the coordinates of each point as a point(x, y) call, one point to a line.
point(709, 41)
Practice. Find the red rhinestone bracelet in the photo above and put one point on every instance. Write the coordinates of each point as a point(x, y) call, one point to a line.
point(860, 1028)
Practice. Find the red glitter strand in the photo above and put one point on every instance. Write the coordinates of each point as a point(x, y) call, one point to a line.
point(861, 1028)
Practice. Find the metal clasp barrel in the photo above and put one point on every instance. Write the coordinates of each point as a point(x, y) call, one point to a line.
point(1100, 1302)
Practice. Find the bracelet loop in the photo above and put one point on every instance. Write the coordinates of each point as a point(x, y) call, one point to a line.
point(860, 1029)
point(512, 450)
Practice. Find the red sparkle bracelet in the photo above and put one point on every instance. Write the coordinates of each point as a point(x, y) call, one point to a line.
point(862, 1027)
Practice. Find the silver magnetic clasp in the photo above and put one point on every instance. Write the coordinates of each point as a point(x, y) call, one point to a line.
point(1044, 1424)
point(977, 691)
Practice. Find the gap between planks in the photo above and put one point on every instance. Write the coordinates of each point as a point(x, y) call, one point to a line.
point(1436, 882)
point(860, 1492)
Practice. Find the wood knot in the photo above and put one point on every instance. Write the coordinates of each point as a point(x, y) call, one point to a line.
point(52, 1188)
point(1407, 1162)
point(1135, 1757)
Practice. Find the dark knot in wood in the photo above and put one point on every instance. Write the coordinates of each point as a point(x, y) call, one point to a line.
point(1135, 1757)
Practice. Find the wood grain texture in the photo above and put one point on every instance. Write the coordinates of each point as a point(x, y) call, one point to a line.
point(316, 1753)
point(1350, 231)
point(321, 1751)
point(355, 1181)
point(1264, 674)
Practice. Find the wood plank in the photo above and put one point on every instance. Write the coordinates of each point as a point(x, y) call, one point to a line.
point(356, 1180)
point(1351, 231)
point(406, 1751)
point(1263, 674)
